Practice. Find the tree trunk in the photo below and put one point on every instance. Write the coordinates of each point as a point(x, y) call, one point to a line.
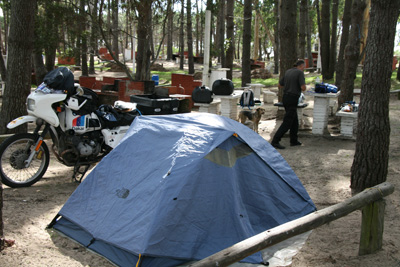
point(309, 44)
point(370, 164)
point(303, 28)
point(343, 41)
point(181, 37)
point(324, 37)
point(3, 70)
point(143, 46)
point(364, 36)
point(85, 70)
point(93, 38)
point(170, 15)
point(51, 42)
point(256, 45)
point(246, 68)
point(40, 69)
point(197, 28)
point(332, 56)
point(352, 53)
point(19, 65)
point(115, 30)
point(221, 32)
point(277, 37)
point(288, 32)
point(230, 36)
point(189, 37)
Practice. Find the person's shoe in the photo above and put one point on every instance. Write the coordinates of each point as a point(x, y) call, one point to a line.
point(277, 145)
point(295, 144)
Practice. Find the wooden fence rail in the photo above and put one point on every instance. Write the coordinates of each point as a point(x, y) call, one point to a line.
point(367, 198)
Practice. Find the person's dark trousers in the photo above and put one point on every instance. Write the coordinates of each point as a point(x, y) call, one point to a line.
point(290, 120)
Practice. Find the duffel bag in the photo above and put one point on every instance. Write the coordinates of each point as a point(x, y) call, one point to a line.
point(202, 94)
point(222, 87)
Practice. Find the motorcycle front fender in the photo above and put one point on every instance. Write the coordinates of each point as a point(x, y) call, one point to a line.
point(21, 120)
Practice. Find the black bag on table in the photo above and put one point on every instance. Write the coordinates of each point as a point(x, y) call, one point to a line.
point(202, 94)
point(222, 87)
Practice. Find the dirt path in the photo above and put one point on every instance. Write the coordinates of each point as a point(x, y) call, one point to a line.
point(322, 164)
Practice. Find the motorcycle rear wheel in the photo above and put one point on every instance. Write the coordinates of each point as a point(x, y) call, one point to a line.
point(13, 153)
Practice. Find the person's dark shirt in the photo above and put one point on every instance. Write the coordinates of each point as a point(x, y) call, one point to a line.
point(292, 81)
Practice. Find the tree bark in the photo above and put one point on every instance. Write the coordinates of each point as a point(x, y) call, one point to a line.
point(170, 15)
point(277, 37)
point(51, 42)
point(332, 55)
point(19, 65)
point(246, 70)
point(352, 53)
point(93, 37)
point(221, 32)
point(143, 46)
point(115, 30)
point(309, 44)
point(324, 37)
point(288, 40)
point(189, 37)
point(181, 37)
point(343, 41)
point(40, 69)
point(230, 36)
point(85, 69)
point(303, 28)
point(370, 164)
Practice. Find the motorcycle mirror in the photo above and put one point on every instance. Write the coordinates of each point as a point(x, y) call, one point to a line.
point(79, 91)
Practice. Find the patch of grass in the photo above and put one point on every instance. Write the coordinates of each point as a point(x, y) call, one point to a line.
point(165, 76)
point(395, 84)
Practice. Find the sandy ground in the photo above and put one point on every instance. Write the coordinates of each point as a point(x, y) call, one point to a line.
point(322, 163)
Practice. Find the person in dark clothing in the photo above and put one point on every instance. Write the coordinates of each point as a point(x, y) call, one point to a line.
point(293, 83)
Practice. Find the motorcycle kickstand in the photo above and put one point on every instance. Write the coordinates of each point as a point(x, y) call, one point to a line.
point(78, 171)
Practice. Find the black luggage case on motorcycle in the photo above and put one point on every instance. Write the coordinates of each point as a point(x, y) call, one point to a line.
point(155, 105)
point(202, 94)
point(60, 79)
point(222, 87)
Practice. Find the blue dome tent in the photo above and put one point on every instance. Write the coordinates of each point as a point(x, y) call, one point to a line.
point(180, 188)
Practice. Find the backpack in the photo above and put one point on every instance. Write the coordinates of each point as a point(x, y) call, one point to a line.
point(247, 99)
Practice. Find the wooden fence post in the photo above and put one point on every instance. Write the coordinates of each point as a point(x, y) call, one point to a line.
point(306, 223)
point(372, 227)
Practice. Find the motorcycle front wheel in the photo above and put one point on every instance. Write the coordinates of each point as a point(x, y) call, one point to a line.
point(14, 151)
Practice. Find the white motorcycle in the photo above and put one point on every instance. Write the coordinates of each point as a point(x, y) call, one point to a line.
point(80, 132)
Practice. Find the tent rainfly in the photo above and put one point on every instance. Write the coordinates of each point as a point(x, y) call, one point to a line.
point(179, 188)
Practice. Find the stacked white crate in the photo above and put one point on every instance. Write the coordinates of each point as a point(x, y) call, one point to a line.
point(321, 112)
point(228, 105)
point(348, 123)
point(214, 107)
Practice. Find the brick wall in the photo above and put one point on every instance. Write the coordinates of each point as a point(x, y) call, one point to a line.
point(125, 86)
point(187, 82)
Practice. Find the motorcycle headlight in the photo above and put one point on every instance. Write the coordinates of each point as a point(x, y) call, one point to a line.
point(31, 104)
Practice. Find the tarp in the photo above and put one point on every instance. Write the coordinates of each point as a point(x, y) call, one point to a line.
point(180, 188)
